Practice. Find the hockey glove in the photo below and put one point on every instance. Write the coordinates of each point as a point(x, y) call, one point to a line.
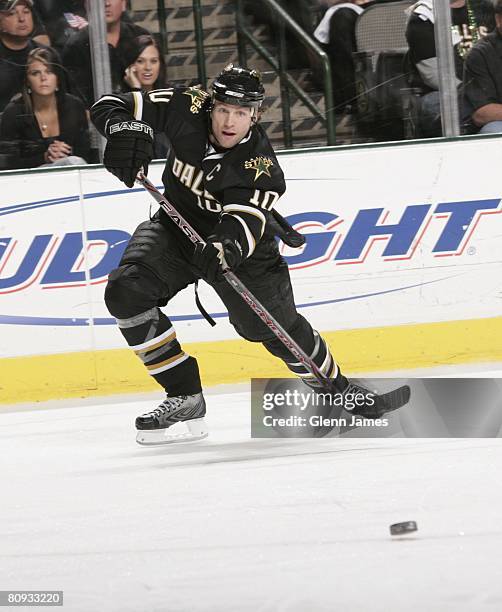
point(221, 251)
point(129, 149)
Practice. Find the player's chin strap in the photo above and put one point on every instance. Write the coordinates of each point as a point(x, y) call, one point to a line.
point(275, 327)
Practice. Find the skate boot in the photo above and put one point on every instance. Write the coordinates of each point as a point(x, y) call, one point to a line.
point(177, 419)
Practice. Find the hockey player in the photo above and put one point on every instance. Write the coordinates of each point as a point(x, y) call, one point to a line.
point(223, 177)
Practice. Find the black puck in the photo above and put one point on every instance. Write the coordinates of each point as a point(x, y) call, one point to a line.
point(402, 528)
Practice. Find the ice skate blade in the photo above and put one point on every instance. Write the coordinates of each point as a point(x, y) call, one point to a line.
point(186, 431)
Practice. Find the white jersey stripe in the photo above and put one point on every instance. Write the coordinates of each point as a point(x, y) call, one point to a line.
point(109, 97)
point(249, 235)
point(249, 210)
point(138, 105)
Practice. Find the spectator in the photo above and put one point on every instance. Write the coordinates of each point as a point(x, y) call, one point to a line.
point(422, 52)
point(44, 125)
point(146, 71)
point(39, 34)
point(62, 18)
point(146, 68)
point(16, 28)
point(76, 53)
point(483, 80)
point(336, 33)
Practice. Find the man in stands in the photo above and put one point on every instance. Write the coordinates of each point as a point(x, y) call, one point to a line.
point(119, 34)
point(62, 18)
point(420, 35)
point(483, 80)
point(336, 33)
point(16, 28)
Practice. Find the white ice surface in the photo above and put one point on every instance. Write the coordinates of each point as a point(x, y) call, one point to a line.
point(235, 524)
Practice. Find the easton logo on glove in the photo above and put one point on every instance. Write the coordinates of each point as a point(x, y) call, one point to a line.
point(128, 150)
point(134, 126)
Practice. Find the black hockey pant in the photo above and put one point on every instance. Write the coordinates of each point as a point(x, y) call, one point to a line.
point(154, 269)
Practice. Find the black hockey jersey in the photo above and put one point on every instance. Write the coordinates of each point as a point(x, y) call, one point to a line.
point(201, 182)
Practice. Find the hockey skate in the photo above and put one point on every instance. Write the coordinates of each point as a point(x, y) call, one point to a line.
point(177, 419)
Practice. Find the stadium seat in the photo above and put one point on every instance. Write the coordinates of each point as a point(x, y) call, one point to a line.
point(381, 82)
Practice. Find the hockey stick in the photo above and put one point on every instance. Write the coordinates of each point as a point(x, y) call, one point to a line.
point(238, 286)
point(286, 233)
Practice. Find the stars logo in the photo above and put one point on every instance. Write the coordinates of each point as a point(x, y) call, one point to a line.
point(198, 98)
point(260, 165)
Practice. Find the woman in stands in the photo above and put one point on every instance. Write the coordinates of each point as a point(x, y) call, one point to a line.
point(146, 67)
point(44, 125)
point(146, 71)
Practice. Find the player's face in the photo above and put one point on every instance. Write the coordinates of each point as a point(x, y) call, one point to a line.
point(18, 21)
point(230, 123)
point(147, 67)
point(114, 10)
point(41, 79)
